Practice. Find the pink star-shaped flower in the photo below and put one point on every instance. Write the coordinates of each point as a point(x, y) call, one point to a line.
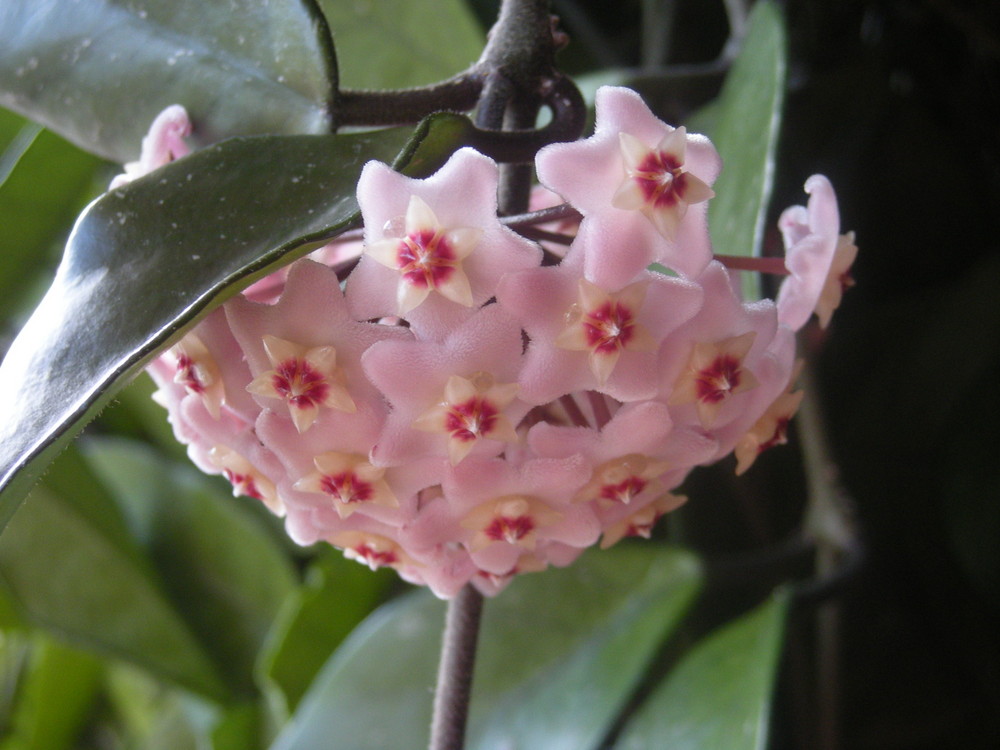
point(435, 248)
point(503, 510)
point(305, 354)
point(812, 243)
point(450, 398)
point(642, 187)
point(771, 428)
point(709, 366)
point(585, 337)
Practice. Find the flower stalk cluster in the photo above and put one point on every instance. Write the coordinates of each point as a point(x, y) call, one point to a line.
point(460, 410)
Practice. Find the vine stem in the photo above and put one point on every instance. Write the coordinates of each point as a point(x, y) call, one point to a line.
point(518, 77)
point(454, 680)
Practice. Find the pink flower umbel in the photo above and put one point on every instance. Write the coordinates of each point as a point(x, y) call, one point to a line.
point(461, 413)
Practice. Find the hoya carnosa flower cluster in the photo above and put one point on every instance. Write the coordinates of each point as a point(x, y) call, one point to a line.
point(468, 407)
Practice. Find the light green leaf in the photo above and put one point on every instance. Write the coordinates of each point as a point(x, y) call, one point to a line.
point(719, 695)
point(602, 617)
point(226, 576)
point(48, 183)
point(147, 260)
point(98, 72)
point(336, 597)
point(401, 43)
point(743, 124)
point(54, 700)
point(151, 716)
point(75, 578)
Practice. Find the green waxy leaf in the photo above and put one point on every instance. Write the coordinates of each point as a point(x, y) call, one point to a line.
point(719, 695)
point(402, 43)
point(147, 260)
point(99, 71)
point(601, 618)
point(743, 124)
point(96, 591)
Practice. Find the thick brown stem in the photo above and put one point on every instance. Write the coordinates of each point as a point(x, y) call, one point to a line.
point(454, 681)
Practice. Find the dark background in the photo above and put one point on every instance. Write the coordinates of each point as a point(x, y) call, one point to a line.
point(899, 104)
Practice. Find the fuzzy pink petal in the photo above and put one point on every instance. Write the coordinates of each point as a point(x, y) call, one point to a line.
point(814, 233)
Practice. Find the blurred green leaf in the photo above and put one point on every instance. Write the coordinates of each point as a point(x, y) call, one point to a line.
point(135, 414)
point(400, 43)
point(98, 72)
point(238, 729)
point(79, 579)
point(744, 123)
point(55, 697)
point(151, 716)
point(145, 261)
point(337, 595)
point(719, 695)
point(559, 654)
point(48, 184)
point(226, 575)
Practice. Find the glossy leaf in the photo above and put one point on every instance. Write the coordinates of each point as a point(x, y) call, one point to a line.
point(55, 698)
point(337, 595)
point(145, 261)
point(719, 694)
point(225, 574)
point(401, 43)
point(49, 182)
point(94, 591)
point(600, 618)
point(99, 71)
point(743, 124)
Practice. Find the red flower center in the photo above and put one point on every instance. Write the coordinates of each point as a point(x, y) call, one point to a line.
point(300, 383)
point(346, 487)
point(716, 382)
point(243, 483)
point(624, 491)
point(660, 178)
point(780, 436)
point(507, 529)
point(375, 558)
point(471, 419)
point(187, 374)
point(425, 259)
point(609, 328)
